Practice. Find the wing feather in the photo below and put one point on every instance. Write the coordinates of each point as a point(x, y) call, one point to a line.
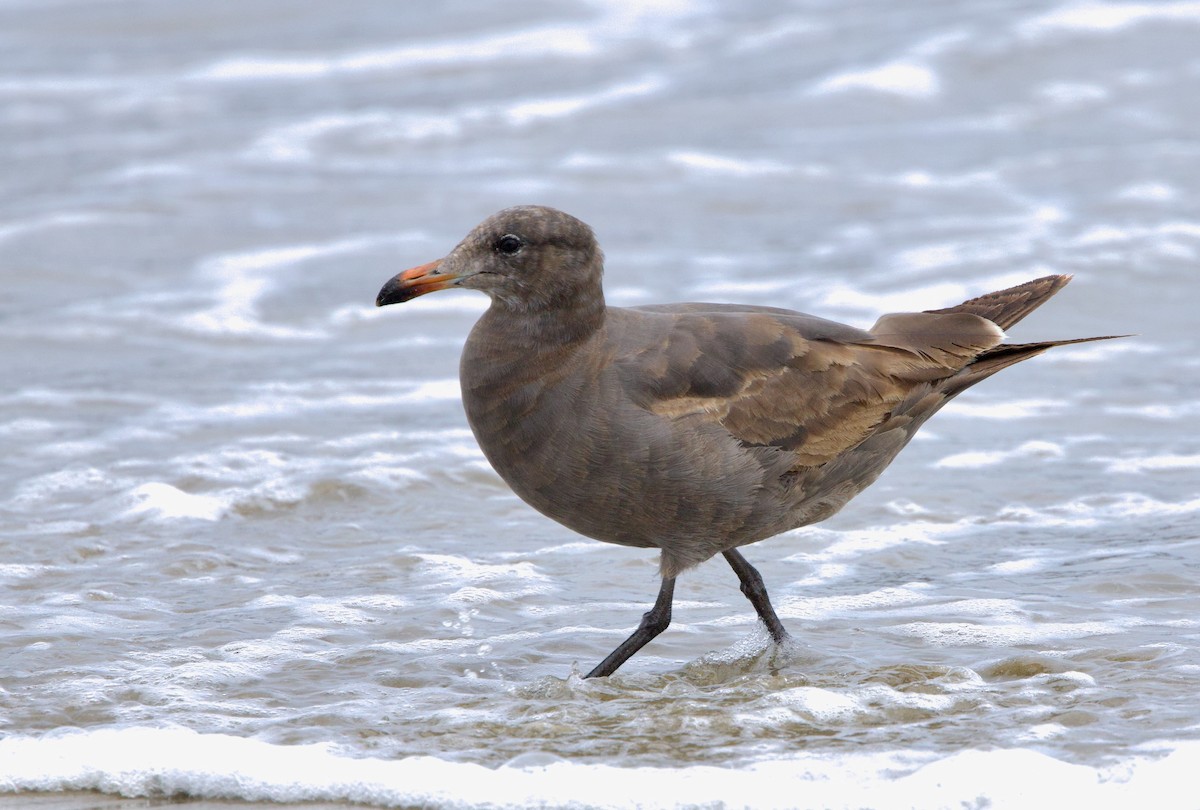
point(791, 381)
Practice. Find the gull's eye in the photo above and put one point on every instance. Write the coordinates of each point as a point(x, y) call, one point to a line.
point(509, 243)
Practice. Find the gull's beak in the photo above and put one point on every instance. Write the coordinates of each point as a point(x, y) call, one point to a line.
point(419, 280)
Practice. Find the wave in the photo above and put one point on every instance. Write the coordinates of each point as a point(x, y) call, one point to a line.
point(174, 762)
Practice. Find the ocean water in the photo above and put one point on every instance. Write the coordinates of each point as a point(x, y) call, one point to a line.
point(249, 548)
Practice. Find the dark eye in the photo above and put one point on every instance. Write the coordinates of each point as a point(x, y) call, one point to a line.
point(509, 243)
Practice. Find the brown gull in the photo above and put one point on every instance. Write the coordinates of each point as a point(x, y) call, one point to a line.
point(692, 428)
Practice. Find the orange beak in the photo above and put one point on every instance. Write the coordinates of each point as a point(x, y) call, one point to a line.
point(419, 280)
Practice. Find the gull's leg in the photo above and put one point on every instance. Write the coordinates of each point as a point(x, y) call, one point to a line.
point(756, 592)
point(653, 622)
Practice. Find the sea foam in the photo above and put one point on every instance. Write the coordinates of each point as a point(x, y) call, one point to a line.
point(150, 762)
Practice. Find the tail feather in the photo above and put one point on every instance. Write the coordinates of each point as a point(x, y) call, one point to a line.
point(1005, 307)
point(1001, 357)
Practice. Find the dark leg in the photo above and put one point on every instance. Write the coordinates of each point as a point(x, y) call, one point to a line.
point(653, 623)
point(756, 592)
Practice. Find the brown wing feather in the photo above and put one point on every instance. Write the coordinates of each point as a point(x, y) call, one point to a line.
point(775, 379)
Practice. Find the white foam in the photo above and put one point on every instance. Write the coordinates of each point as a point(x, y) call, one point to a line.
point(26, 425)
point(531, 43)
point(1084, 512)
point(1157, 410)
point(242, 279)
point(465, 642)
point(910, 75)
point(905, 507)
point(1134, 505)
point(148, 762)
point(528, 112)
point(448, 568)
point(1099, 352)
point(137, 171)
point(1106, 235)
point(1013, 409)
point(809, 608)
point(55, 486)
point(994, 609)
point(632, 16)
point(63, 85)
point(1002, 634)
point(861, 541)
point(1149, 192)
point(1103, 235)
point(160, 500)
point(294, 142)
point(932, 257)
point(777, 28)
point(298, 142)
point(1043, 731)
point(1168, 461)
point(819, 704)
point(202, 673)
point(890, 699)
point(736, 285)
point(76, 449)
point(379, 601)
point(1025, 566)
point(1100, 18)
point(273, 400)
point(846, 296)
point(353, 610)
point(1099, 509)
point(20, 571)
point(58, 527)
point(63, 219)
point(901, 77)
point(433, 391)
point(981, 458)
point(1072, 93)
point(721, 164)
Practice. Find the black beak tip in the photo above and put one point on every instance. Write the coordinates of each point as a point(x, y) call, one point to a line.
point(391, 293)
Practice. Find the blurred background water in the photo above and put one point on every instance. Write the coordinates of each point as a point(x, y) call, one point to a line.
point(239, 506)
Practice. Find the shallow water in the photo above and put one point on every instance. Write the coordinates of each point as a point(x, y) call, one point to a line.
point(240, 506)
